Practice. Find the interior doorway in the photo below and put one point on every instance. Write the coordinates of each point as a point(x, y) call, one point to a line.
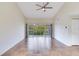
point(75, 32)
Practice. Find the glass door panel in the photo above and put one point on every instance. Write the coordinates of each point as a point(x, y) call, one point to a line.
point(39, 37)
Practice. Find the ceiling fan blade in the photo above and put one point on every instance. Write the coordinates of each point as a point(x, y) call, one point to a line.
point(39, 9)
point(38, 5)
point(48, 7)
point(46, 4)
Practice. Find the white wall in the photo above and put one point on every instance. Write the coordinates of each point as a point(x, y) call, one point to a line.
point(11, 26)
point(64, 19)
point(39, 21)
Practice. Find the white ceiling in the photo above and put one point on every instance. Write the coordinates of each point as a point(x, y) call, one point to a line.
point(29, 9)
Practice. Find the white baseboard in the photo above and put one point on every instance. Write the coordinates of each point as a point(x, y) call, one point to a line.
point(65, 43)
point(1, 53)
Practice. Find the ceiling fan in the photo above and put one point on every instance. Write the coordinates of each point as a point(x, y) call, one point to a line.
point(44, 6)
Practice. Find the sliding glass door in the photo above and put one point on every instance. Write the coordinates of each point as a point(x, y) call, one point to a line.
point(39, 37)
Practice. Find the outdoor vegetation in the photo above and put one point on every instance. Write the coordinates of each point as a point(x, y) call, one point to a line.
point(37, 30)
